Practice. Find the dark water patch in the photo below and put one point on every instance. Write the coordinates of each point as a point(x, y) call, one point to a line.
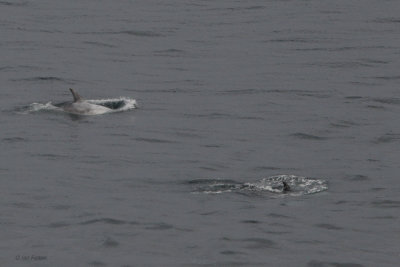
point(344, 49)
point(364, 83)
point(13, 3)
point(349, 203)
point(315, 263)
point(154, 140)
point(23, 205)
point(99, 44)
point(212, 115)
point(41, 197)
point(354, 97)
point(299, 40)
point(6, 68)
point(220, 263)
point(140, 33)
point(225, 116)
point(341, 64)
point(172, 50)
point(327, 49)
point(61, 207)
point(59, 225)
point(43, 79)
point(278, 232)
point(51, 156)
point(231, 252)
point(377, 189)
point(212, 168)
point(388, 217)
point(357, 178)
point(106, 221)
point(343, 124)
point(110, 243)
point(305, 136)
point(292, 91)
point(248, 91)
point(387, 100)
point(315, 95)
point(14, 139)
point(232, 9)
point(250, 118)
point(388, 78)
point(188, 134)
point(391, 20)
point(328, 226)
point(254, 7)
point(375, 107)
point(136, 33)
point(169, 53)
point(276, 215)
point(208, 213)
point(258, 243)
point(97, 263)
point(312, 242)
point(250, 222)
point(331, 12)
point(375, 61)
point(266, 168)
point(159, 226)
point(386, 203)
point(213, 146)
point(387, 138)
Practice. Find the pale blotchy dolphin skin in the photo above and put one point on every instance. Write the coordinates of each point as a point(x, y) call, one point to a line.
point(82, 107)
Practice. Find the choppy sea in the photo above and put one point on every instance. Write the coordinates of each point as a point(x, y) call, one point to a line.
point(217, 105)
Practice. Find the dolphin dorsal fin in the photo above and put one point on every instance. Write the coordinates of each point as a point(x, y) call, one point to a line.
point(76, 96)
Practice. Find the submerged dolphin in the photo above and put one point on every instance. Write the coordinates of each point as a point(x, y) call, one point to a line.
point(81, 107)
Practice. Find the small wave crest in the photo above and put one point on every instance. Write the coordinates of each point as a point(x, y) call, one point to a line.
point(298, 185)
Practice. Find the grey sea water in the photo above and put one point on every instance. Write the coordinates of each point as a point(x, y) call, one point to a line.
point(233, 98)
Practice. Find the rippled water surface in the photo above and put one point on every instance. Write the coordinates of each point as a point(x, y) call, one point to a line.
point(227, 100)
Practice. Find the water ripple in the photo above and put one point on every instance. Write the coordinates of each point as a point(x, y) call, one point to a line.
point(308, 136)
point(13, 3)
point(106, 221)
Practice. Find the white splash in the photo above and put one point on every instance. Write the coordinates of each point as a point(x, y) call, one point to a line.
point(298, 185)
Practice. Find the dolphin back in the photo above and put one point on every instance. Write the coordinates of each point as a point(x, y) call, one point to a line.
point(76, 96)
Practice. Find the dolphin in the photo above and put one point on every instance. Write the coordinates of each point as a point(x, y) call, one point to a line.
point(82, 107)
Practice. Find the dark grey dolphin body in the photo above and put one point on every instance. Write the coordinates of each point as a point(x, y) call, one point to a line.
point(286, 187)
point(82, 107)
